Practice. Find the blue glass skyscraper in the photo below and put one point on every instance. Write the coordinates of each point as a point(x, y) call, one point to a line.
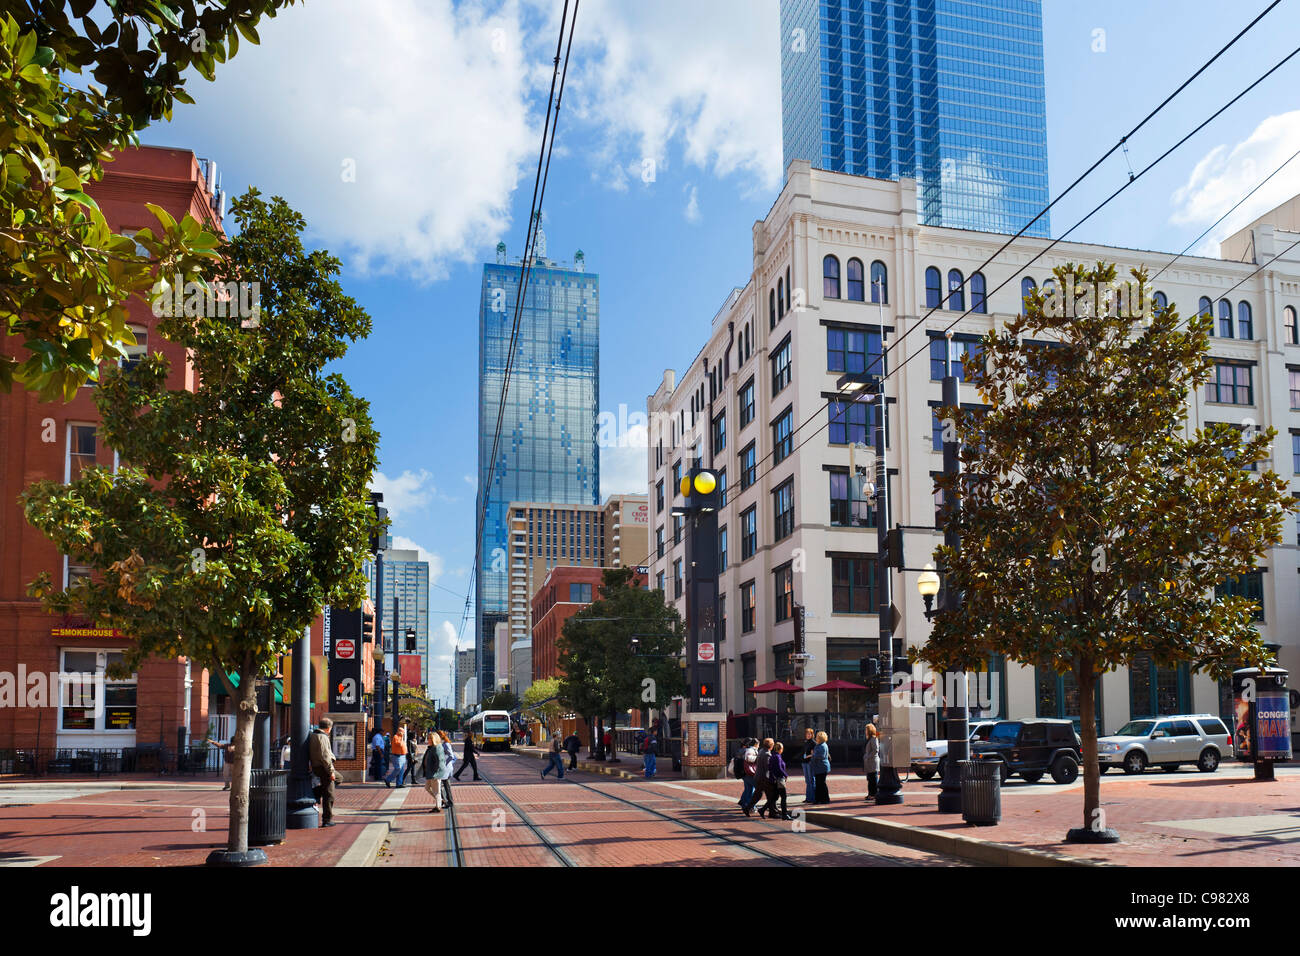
point(547, 450)
point(948, 92)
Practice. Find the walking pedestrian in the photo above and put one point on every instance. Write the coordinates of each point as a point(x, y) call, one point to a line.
point(322, 765)
point(761, 759)
point(776, 775)
point(553, 759)
point(572, 744)
point(871, 760)
point(433, 762)
point(377, 755)
point(809, 744)
point(649, 748)
point(448, 762)
point(749, 757)
point(397, 765)
point(821, 764)
point(469, 756)
point(412, 756)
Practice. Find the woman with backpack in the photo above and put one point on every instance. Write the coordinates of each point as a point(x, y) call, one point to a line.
point(821, 768)
point(433, 765)
point(871, 760)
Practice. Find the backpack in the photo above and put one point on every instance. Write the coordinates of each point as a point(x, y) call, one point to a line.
point(738, 766)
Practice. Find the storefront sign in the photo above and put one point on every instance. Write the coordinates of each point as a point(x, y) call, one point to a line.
point(1273, 725)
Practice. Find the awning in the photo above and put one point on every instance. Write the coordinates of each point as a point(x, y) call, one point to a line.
point(276, 682)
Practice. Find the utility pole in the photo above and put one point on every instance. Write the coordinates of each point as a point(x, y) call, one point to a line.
point(957, 725)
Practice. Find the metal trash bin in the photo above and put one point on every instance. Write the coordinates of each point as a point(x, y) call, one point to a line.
point(268, 806)
point(981, 792)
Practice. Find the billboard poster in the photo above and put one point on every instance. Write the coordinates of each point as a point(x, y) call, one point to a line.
point(408, 666)
point(706, 744)
point(1273, 725)
point(343, 741)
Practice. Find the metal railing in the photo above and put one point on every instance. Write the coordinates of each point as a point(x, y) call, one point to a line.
point(99, 761)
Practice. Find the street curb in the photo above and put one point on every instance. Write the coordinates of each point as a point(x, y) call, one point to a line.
point(971, 849)
point(47, 784)
point(591, 766)
point(365, 848)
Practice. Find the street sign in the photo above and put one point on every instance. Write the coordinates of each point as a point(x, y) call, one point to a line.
point(345, 649)
point(706, 652)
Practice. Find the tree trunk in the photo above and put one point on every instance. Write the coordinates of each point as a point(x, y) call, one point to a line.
point(240, 771)
point(1087, 677)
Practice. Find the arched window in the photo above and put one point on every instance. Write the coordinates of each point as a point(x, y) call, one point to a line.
point(1049, 286)
point(1161, 300)
point(879, 282)
point(1225, 319)
point(134, 354)
point(933, 292)
point(956, 291)
point(830, 278)
point(1027, 288)
point(854, 277)
point(978, 303)
point(1292, 331)
point(1245, 321)
point(1204, 306)
point(771, 308)
point(780, 299)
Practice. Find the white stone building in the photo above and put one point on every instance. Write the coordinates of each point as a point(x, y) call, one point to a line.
point(771, 361)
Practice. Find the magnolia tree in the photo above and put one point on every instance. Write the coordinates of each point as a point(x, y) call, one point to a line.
point(65, 276)
point(241, 507)
point(1095, 523)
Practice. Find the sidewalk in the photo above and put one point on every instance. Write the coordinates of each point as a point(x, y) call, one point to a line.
point(1183, 819)
point(168, 823)
point(627, 767)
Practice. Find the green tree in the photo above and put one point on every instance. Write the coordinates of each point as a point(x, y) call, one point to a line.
point(1094, 524)
point(241, 508)
point(501, 700)
point(65, 277)
point(542, 699)
point(623, 651)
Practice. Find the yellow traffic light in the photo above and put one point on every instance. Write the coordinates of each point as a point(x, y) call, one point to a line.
point(685, 486)
point(705, 482)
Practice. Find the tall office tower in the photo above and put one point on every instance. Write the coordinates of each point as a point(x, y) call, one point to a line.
point(547, 450)
point(464, 674)
point(406, 578)
point(946, 92)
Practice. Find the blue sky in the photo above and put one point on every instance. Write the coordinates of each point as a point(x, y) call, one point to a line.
point(437, 108)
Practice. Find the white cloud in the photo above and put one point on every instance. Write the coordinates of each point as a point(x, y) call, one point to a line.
point(447, 631)
point(425, 100)
point(1226, 174)
point(435, 562)
point(707, 76)
point(407, 493)
point(692, 210)
point(623, 469)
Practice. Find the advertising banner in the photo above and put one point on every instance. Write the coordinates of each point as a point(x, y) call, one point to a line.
point(1273, 725)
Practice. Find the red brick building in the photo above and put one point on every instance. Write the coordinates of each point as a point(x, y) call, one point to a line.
point(564, 592)
point(54, 440)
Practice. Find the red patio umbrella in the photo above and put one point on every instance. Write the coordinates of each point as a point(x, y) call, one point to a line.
point(762, 710)
point(838, 685)
point(776, 686)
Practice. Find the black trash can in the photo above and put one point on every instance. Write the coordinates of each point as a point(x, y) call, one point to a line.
point(981, 792)
point(268, 806)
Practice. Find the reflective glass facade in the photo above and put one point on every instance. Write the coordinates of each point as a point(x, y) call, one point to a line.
point(948, 92)
point(547, 450)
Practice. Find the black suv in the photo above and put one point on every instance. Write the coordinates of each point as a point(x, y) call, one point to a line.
point(1032, 748)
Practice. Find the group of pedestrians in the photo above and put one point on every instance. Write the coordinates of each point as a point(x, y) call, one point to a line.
point(439, 758)
point(761, 767)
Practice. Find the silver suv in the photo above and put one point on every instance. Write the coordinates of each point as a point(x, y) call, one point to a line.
point(1166, 742)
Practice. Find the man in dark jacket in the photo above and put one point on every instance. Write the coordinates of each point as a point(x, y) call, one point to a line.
point(572, 744)
point(468, 758)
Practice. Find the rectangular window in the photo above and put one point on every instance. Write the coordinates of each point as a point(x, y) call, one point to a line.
point(853, 351)
point(783, 511)
point(782, 436)
point(748, 533)
point(853, 588)
point(853, 423)
point(719, 433)
point(677, 476)
point(722, 617)
point(783, 593)
point(747, 607)
point(961, 347)
point(579, 593)
point(659, 496)
point(845, 512)
point(659, 580)
point(747, 403)
point(678, 522)
point(748, 467)
point(81, 451)
point(1230, 384)
point(722, 486)
point(1249, 585)
point(781, 368)
point(677, 578)
point(659, 541)
point(1294, 375)
point(722, 549)
point(1295, 452)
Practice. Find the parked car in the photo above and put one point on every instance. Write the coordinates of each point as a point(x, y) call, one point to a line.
point(1032, 748)
point(936, 751)
point(1166, 742)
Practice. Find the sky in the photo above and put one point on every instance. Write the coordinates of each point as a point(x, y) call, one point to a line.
point(408, 137)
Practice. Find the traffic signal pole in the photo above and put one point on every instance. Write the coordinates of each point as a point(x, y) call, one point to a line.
point(703, 751)
point(958, 724)
point(889, 790)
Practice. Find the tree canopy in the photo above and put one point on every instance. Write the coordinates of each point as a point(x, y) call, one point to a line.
point(1095, 524)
